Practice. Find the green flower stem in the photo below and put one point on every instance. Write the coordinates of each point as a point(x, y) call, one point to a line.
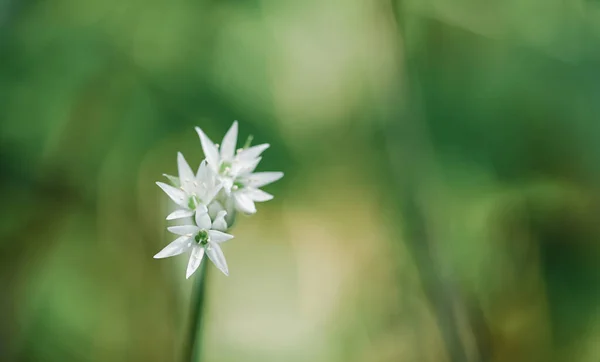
point(194, 342)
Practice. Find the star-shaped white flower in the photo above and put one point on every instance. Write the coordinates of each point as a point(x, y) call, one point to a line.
point(194, 192)
point(246, 190)
point(203, 237)
point(236, 169)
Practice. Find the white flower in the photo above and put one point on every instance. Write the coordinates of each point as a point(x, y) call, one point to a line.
point(194, 192)
point(203, 237)
point(236, 169)
point(246, 190)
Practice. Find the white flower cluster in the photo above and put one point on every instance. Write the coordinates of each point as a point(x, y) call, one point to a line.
point(209, 199)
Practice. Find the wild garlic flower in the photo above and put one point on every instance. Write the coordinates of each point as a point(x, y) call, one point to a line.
point(201, 237)
point(245, 191)
point(224, 184)
point(235, 170)
point(195, 191)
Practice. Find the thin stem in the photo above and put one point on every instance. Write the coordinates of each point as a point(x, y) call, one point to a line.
point(194, 342)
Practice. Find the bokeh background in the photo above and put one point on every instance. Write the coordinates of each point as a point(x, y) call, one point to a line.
point(441, 195)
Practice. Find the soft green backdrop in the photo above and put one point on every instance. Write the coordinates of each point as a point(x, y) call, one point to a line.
point(440, 203)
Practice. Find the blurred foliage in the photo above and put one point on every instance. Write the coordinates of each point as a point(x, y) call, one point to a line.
point(440, 201)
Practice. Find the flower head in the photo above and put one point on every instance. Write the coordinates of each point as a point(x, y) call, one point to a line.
point(201, 237)
point(225, 183)
point(246, 190)
point(195, 191)
point(236, 170)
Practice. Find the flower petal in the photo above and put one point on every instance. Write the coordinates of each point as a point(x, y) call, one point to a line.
point(244, 168)
point(210, 150)
point(186, 175)
point(176, 247)
point(215, 254)
point(203, 220)
point(218, 236)
point(219, 222)
point(175, 194)
point(212, 192)
point(251, 153)
point(227, 185)
point(257, 195)
point(201, 208)
point(229, 142)
point(184, 229)
point(260, 179)
point(244, 203)
point(208, 183)
point(201, 174)
point(195, 260)
point(174, 180)
point(178, 214)
point(214, 208)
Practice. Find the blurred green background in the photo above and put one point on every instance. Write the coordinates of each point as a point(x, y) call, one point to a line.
point(440, 203)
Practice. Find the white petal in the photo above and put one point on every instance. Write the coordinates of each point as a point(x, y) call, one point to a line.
point(252, 152)
point(176, 247)
point(195, 260)
point(210, 150)
point(257, 194)
point(211, 192)
point(212, 178)
point(201, 174)
point(174, 180)
point(175, 194)
point(178, 214)
point(227, 185)
point(244, 168)
point(184, 229)
point(186, 175)
point(208, 183)
point(260, 179)
point(214, 208)
point(203, 220)
point(229, 142)
point(215, 254)
point(219, 222)
point(201, 208)
point(244, 203)
point(218, 236)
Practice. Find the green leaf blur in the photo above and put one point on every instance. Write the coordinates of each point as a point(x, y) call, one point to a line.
point(441, 197)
